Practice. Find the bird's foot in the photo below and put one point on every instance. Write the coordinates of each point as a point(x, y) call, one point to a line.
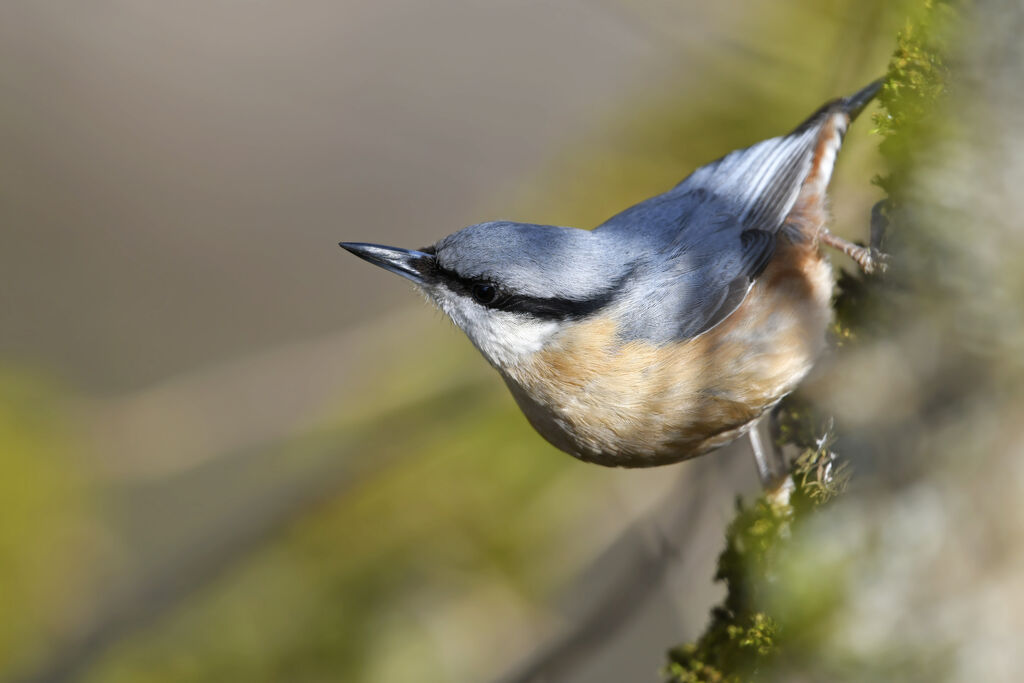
point(870, 259)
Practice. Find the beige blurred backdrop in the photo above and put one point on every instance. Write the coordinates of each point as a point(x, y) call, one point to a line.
point(234, 452)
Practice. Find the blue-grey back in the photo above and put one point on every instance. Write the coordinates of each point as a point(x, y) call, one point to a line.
point(708, 238)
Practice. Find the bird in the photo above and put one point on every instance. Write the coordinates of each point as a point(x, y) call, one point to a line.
point(670, 329)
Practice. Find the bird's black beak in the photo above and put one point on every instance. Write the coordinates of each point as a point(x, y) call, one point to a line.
point(415, 265)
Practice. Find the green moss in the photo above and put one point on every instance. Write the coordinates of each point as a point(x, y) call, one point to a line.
point(916, 80)
point(740, 638)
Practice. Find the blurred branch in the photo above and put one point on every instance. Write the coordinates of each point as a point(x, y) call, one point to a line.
point(653, 544)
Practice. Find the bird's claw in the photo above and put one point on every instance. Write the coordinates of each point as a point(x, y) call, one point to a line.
point(871, 260)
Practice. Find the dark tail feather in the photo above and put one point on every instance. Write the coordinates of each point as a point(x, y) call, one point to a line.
point(855, 103)
point(852, 106)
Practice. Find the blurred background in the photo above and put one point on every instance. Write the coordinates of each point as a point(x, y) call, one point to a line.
point(229, 450)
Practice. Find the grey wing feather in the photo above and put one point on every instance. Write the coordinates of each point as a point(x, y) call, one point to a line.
point(757, 249)
point(760, 183)
point(717, 229)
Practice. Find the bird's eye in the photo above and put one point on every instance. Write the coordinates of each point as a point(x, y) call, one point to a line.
point(485, 293)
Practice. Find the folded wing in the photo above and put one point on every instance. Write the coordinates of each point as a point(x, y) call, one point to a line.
point(718, 227)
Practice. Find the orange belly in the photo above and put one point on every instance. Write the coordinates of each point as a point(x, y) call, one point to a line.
point(637, 404)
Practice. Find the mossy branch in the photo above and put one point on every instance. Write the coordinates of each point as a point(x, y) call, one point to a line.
point(743, 638)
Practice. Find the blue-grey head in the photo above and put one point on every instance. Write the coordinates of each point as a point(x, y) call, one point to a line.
point(511, 287)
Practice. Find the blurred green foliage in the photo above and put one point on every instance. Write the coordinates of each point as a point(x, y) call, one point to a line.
point(376, 560)
point(44, 512)
point(793, 58)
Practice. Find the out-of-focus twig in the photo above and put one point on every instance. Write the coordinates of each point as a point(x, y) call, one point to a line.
point(673, 524)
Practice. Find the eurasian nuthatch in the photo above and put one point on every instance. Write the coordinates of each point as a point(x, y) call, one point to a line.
point(671, 328)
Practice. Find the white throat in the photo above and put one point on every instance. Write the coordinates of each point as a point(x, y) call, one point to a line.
point(508, 339)
point(505, 339)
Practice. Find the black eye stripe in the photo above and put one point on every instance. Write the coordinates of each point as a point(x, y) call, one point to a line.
point(555, 308)
point(542, 308)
